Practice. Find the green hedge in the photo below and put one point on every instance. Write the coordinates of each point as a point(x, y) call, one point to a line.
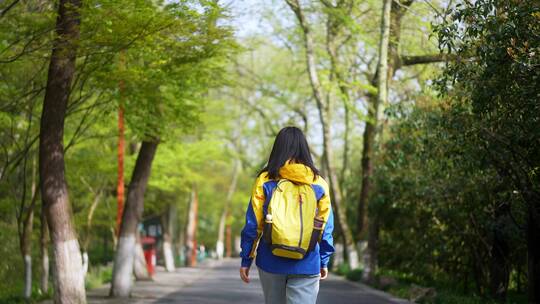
point(446, 293)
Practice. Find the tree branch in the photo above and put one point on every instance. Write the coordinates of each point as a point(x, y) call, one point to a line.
point(424, 59)
point(9, 7)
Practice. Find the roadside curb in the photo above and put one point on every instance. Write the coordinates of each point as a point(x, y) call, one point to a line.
point(371, 290)
point(162, 281)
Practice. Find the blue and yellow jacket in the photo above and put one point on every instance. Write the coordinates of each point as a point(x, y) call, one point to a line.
point(256, 212)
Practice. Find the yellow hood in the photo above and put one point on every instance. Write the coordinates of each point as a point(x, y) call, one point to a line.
point(297, 173)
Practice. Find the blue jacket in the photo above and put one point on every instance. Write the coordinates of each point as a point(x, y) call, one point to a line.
point(256, 212)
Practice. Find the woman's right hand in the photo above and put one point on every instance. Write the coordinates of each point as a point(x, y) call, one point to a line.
point(324, 273)
point(244, 274)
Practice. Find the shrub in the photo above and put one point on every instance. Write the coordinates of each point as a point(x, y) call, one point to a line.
point(342, 269)
point(97, 276)
point(354, 275)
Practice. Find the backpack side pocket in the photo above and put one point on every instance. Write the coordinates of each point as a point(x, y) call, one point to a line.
point(267, 229)
point(317, 231)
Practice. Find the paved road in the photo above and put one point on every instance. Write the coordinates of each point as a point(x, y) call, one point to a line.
point(218, 283)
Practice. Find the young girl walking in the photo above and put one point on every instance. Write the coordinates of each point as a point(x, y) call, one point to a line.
point(289, 224)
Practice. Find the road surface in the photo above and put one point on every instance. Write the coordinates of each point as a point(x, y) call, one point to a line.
point(217, 282)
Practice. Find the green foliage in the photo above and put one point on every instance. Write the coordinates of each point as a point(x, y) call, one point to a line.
point(499, 89)
point(446, 198)
point(171, 54)
point(98, 275)
point(455, 180)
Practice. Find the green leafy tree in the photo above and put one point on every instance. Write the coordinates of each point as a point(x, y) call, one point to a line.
point(499, 90)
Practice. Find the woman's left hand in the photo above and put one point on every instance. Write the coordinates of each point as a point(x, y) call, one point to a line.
point(244, 274)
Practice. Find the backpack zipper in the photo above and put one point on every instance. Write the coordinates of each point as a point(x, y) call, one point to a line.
point(301, 221)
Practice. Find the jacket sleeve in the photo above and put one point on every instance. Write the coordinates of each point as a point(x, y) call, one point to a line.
point(254, 223)
point(326, 245)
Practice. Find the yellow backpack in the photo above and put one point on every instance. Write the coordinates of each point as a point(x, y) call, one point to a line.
point(291, 226)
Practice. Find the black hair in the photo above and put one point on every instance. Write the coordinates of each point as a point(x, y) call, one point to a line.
point(290, 144)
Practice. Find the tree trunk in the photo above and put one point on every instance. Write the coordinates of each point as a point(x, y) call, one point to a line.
point(371, 256)
point(478, 266)
point(500, 268)
point(68, 276)
point(140, 271)
point(180, 241)
point(346, 148)
point(26, 251)
point(44, 249)
point(224, 225)
point(168, 255)
point(325, 110)
point(220, 244)
point(88, 231)
point(25, 238)
point(367, 168)
point(191, 230)
point(369, 139)
point(228, 239)
point(338, 254)
point(350, 251)
point(393, 13)
point(533, 250)
point(169, 223)
point(125, 251)
point(397, 11)
point(334, 28)
point(237, 247)
point(85, 262)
